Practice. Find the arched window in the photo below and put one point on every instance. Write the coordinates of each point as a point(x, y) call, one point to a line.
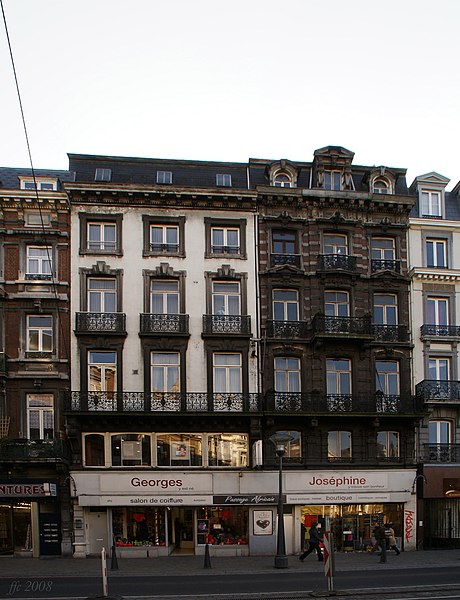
point(282, 180)
point(381, 186)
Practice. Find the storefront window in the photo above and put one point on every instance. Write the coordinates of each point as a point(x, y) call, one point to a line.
point(222, 525)
point(178, 450)
point(139, 526)
point(15, 528)
point(94, 450)
point(131, 449)
point(228, 450)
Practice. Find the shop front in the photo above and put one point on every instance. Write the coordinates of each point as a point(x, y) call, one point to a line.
point(441, 506)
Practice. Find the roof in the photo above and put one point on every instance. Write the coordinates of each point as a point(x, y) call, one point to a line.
point(9, 177)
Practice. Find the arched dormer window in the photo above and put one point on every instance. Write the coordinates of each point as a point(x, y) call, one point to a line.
point(282, 180)
point(283, 174)
point(381, 186)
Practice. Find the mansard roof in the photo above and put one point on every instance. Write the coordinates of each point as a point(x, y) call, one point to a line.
point(9, 176)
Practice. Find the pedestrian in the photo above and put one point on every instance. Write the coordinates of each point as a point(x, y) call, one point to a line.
point(314, 542)
point(390, 535)
point(380, 537)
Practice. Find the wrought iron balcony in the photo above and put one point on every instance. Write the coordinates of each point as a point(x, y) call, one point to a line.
point(38, 276)
point(385, 265)
point(153, 402)
point(151, 323)
point(441, 453)
point(226, 324)
point(439, 331)
point(438, 390)
point(91, 322)
point(342, 326)
point(390, 333)
point(337, 262)
point(23, 449)
point(287, 329)
point(164, 248)
point(285, 259)
point(225, 249)
point(317, 403)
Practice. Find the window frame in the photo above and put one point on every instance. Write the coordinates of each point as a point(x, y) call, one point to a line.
point(40, 331)
point(164, 177)
point(426, 203)
point(223, 180)
point(166, 368)
point(225, 224)
point(103, 174)
point(291, 373)
point(435, 243)
point(150, 221)
point(437, 300)
point(228, 369)
point(332, 177)
point(436, 363)
point(335, 245)
point(30, 184)
point(284, 243)
point(48, 257)
point(227, 296)
point(336, 304)
point(385, 309)
point(42, 411)
point(104, 369)
point(382, 251)
point(285, 304)
point(440, 422)
point(87, 219)
point(386, 454)
point(282, 179)
point(339, 375)
point(384, 379)
point(340, 434)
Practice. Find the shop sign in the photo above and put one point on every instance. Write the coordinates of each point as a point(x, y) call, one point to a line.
point(27, 490)
point(247, 499)
point(159, 483)
point(338, 482)
point(145, 500)
point(337, 498)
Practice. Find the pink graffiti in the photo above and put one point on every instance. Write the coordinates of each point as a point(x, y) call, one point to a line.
point(409, 525)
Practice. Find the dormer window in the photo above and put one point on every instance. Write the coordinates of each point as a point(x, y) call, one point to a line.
point(381, 186)
point(224, 180)
point(164, 177)
point(103, 175)
point(29, 183)
point(431, 204)
point(332, 180)
point(282, 180)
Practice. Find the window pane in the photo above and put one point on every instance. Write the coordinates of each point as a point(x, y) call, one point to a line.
point(94, 451)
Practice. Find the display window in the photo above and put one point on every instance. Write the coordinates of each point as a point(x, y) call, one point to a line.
point(139, 526)
point(177, 450)
point(15, 527)
point(222, 525)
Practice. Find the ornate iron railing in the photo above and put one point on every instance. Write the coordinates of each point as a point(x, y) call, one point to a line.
point(391, 333)
point(153, 402)
point(225, 324)
point(91, 322)
point(38, 276)
point(25, 449)
point(171, 323)
point(378, 264)
point(440, 330)
point(342, 325)
point(225, 250)
point(442, 390)
point(164, 248)
point(287, 329)
point(441, 453)
point(285, 259)
point(332, 262)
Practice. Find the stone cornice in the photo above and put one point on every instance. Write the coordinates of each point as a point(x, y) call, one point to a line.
point(427, 274)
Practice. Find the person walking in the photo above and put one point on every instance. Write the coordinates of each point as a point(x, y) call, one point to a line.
point(390, 535)
point(314, 543)
point(380, 537)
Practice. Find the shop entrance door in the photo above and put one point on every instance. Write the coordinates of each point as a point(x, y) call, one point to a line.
point(50, 534)
point(184, 538)
point(96, 532)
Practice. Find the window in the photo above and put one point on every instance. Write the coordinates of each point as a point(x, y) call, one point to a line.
point(436, 253)
point(130, 450)
point(164, 297)
point(335, 244)
point(164, 177)
point(336, 304)
point(380, 186)
point(103, 175)
point(36, 219)
point(224, 180)
point(94, 450)
point(383, 249)
point(439, 432)
point(332, 180)
point(292, 449)
point(439, 368)
point(339, 445)
point(39, 262)
point(287, 375)
point(387, 444)
point(282, 180)
point(39, 333)
point(29, 183)
point(226, 298)
point(437, 311)
point(102, 237)
point(179, 450)
point(225, 240)
point(40, 416)
point(387, 377)
point(338, 376)
point(102, 371)
point(285, 305)
point(385, 309)
point(165, 372)
point(227, 371)
point(284, 242)
point(431, 204)
point(164, 238)
point(102, 295)
point(228, 450)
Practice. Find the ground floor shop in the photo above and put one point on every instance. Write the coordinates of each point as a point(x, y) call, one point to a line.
point(440, 512)
point(141, 514)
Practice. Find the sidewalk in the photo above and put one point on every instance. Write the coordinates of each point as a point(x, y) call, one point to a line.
point(194, 565)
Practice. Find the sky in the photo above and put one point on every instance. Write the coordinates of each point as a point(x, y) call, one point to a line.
point(226, 81)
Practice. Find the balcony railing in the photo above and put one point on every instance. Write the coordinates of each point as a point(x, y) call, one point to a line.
point(438, 390)
point(334, 262)
point(440, 331)
point(316, 403)
point(385, 265)
point(441, 453)
point(92, 322)
point(287, 329)
point(3, 364)
point(25, 450)
point(158, 323)
point(154, 402)
point(390, 333)
point(38, 276)
point(227, 324)
point(285, 259)
point(332, 326)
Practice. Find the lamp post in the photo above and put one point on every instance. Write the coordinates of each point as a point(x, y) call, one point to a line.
point(279, 440)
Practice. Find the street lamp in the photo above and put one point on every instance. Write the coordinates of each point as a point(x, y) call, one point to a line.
point(279, 440)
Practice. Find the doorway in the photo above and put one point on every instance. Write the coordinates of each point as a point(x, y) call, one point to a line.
point(96, 531)
point(183, 530)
